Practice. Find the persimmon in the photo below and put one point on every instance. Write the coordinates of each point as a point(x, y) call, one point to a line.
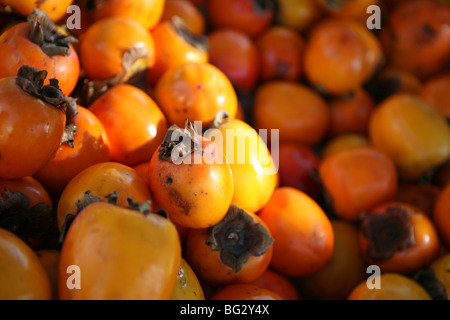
point(249, 16)
point(412, 133)
point(195, 91)
point(281, 50)
point(394, 286)
point(22, 275)
point(236, 249)
point(134, 123)
point(415, 37)
point(33, 123)
point(398, 237)
point(98, 181)
point(441, 215)
point(298, 165)
point(49, 259)
point(344, 49)
point(276, 282)
point(174, 46)
point(303, 234)
point(254, 169)
point(55, 9)
point(108, 241)
point(236, 55)
point(351, 113)
point(145, 12)
point(355, 9)
point(357, 179)
point(298, 112)
point(188, 287)
point(299, 15)
point(344, 141)
point(191, 179)
point(188, 12)
point(39, 44)
point(435, 92)
point(90, 145)
point(245, 291)
point(105, 56)
point(344, 271)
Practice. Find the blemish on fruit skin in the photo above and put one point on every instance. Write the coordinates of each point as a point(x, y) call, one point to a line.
point(169, 180)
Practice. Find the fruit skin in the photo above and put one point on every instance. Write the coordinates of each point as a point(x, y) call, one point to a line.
point(195, 91)
point(102, 51)
point(16, 39)
point(304, 237)
point(22, 276)
point(188, 287)
point(55, 9)
point(255, 175)
point(357, 179)
point(343, 48)
point(343, 272)
point(245, 291)
point(298, 112)
point(173, 48)
point(133, 122)
point(411, 133)
point(441, 215)
point(109, 242)
point(236, 55)
point(30, 135)
point(249, 16)
point(145, 12)
point(393, 287)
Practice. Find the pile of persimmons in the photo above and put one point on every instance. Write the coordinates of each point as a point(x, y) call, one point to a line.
point(225, 149)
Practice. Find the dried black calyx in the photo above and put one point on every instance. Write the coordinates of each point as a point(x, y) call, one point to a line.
point(387, 232)
point(238, 237)
point(178, 142)
point(24, 221)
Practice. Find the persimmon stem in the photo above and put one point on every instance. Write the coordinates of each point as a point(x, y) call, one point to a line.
point(238, 237)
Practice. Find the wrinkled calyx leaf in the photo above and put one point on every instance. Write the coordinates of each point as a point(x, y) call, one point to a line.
point(31, 80)
point(387, 233)
point(238, 236)
point(199, 42)
point(134, 65)
point(180, 142)
point(24, 221)
point(45, 34)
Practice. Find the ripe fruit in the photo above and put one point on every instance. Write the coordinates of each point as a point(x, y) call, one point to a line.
point(195, 91)
point(191, 179)
point(110, 242)
point(32, 123)
point(303, 234)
